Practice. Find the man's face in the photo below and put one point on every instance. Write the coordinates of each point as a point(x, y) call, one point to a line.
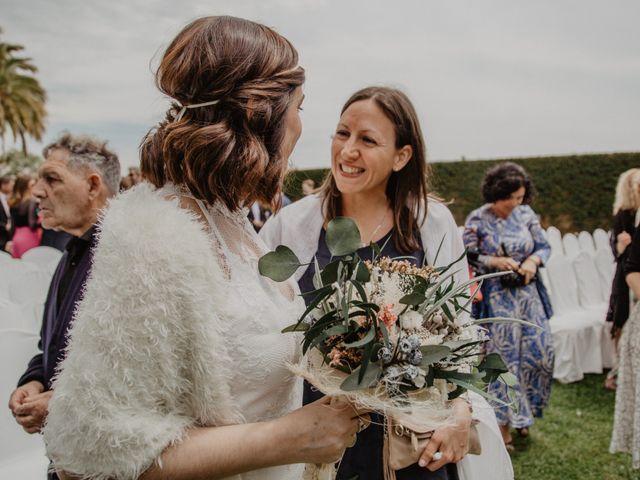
point(64, 195)
point(7, 187)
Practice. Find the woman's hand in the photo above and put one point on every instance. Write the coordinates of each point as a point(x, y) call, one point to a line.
point(452, 441)
point(623, 239)
point(503, 264)
point(528, 269)
point(325, 429)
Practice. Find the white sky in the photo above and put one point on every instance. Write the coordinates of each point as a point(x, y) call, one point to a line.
point(489, 78)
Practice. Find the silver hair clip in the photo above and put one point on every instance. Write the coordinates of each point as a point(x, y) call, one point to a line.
point(195, 105)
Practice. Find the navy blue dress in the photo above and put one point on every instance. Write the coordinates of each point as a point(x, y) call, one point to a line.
point(363, 461)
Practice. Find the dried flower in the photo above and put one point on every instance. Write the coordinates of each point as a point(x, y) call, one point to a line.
point(387, 316)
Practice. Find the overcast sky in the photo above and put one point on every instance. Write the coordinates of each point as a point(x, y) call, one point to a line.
point(489, 78)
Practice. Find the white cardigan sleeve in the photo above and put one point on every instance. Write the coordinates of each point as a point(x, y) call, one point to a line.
point(133, 380)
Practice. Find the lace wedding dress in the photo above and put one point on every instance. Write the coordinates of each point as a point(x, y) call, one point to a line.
point(254, 310)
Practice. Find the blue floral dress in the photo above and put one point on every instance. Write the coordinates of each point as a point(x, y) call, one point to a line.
point(527, 351)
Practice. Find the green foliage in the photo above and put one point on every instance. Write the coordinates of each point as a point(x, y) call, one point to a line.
point(22, 98)
point(15, 162)
point(574, 192)
point(572, 440)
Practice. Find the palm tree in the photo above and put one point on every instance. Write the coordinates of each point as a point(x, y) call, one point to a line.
point(22, 98)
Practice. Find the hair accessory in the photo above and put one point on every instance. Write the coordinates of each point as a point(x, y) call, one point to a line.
point(195, 105)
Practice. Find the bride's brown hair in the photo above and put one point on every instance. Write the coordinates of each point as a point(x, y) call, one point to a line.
point(230, 151)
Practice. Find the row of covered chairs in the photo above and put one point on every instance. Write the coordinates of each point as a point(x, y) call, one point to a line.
point(23, 288)
point(579, 275)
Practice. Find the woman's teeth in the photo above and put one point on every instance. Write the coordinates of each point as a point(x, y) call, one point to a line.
point(347, 169)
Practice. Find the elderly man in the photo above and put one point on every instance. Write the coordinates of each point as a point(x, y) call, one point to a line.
point(75, 182)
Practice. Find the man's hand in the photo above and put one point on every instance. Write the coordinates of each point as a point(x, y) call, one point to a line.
point(29, 404)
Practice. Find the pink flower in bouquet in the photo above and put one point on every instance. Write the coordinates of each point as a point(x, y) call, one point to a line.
point(387, 316)
point(336, 357)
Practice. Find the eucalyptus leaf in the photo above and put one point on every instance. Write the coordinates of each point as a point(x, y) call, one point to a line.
point(362, 273)
point(296, 327)
point(370, 378)
point(412, 299)
point(493, 361)
point(279, 264)
point(479, 391)
point(509, 379)
point(364, 340)
point(343, 236)
point(480, 321)
point(433, 353)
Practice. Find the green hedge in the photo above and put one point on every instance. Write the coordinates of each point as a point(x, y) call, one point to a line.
point(574, 192)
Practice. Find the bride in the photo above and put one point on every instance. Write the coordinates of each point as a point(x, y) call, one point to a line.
point(175, 366)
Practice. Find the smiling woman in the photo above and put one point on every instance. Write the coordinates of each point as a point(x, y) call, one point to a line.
point(379, 179)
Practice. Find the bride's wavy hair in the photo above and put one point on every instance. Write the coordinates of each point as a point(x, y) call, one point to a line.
point(230, 151)
point(407, 189)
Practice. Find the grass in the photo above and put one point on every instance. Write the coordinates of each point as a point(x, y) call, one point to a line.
point(572, 440)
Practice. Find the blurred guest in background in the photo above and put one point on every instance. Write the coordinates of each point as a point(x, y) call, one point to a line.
point(24, 217)
point(125, 183)
point(623, 226)
point(134, 175)
point(505, 235)
point(626, 424)
point(308, 186)
point(6, 186)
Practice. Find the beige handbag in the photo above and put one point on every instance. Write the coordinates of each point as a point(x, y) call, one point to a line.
point(406, 441)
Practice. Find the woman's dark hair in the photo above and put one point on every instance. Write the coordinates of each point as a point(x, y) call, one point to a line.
point(407, 189)
point(230, 151)
point(503, 180)
point(21, 190)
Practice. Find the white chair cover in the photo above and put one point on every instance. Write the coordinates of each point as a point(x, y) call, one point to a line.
point(576, 331)
point(601, 239)
point(555, 240)
point(21, 455)
point(26, 317)
point(30, 287)
point(570, 244)
point(42, 256)
point(606, 269)
point(586, 242)
point(10, 269)
point(590, 291)
point(564, 287)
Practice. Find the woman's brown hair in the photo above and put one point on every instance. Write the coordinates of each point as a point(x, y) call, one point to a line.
point(230, 151)
point(407, 189)
point(21, 190)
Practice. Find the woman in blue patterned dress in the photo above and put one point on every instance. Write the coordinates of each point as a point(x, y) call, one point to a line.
point(505, 235)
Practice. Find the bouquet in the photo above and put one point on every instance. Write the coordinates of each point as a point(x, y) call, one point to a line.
point(388, 335)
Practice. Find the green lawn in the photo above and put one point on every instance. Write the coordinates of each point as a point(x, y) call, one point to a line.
point(572, 440)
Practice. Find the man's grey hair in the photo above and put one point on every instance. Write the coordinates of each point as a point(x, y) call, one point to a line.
point(86, 152)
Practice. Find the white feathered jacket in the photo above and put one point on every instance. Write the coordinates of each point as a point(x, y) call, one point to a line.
point(145, 359)
point(298, 227)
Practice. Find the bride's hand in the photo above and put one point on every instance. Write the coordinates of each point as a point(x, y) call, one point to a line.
point(452, 441)
point(325, 428)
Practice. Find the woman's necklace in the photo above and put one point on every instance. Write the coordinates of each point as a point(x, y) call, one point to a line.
point(375, 230)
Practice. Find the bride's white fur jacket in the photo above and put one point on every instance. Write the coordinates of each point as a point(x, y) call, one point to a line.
point(146, 358)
